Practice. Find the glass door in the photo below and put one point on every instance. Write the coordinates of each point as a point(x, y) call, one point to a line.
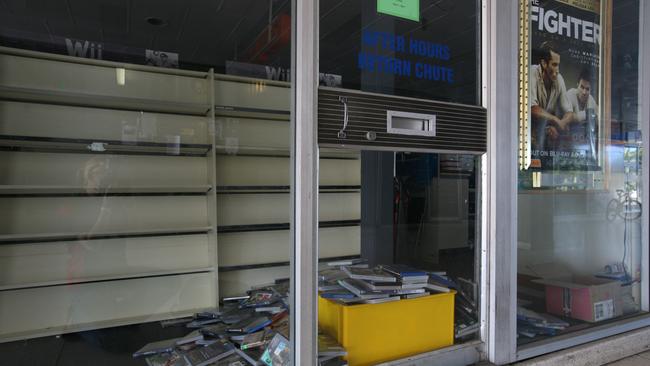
point(400, 139)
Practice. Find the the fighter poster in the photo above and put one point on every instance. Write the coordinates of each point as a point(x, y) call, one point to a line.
point(563, 84)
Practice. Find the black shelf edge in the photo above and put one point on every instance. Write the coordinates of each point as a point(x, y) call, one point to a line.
point(111, 147)
point(88, 236)
point(278, 264)
point(106, 194)
point(107, 279)
point(228, 108)
point(284, 189)
point(282, 226)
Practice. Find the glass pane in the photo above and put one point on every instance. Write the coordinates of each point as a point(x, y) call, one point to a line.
point(397, 240)
point(143, 197)
point(399, 251)
point(435, 57)
point(579, 201)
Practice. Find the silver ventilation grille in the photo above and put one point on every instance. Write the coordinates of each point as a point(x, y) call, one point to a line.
point(436, 126)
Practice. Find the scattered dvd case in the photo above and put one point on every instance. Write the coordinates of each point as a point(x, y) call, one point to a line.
point(257, 339)
point(233, 360)
point(357, 288)
point(347, 262)
point(368, 274)
point(259, 298)
point(190, 338)
point(203, 356)
point(216, 331)
point(200, 323)
point(208, 314)
point(250, 325)
point(164, 346)
point(278, 352)
point(166, 359)
point(382, 300)
point(328, 346)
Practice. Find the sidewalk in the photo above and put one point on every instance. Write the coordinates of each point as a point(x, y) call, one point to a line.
point(627, 349)
point(641, 359)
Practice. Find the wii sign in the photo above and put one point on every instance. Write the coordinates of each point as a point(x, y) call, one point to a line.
point(275, 73)
point(83, 48)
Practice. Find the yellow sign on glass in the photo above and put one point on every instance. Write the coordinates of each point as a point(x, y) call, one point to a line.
point(407, 9)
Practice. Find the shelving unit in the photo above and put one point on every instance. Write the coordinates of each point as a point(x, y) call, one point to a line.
point(110, 194)
point(123, 156)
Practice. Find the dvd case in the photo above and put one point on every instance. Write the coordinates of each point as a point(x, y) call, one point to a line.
point(216, 331)
point(164, 346)
point(278, 352)
point(166, 359)
point(368, 274)
point(203, 356)
point(190, 338)
point(357, 287)
point(257, 339)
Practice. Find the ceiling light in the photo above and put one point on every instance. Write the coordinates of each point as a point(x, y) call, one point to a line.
point(155, 21)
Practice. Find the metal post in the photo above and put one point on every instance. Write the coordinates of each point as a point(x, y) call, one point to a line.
point(304, 181)
point(501, 44)
point(212, 193)
point(644, 121)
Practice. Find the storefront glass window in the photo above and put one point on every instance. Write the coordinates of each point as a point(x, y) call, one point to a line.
point(434, 55)
point(580, 179)
point(144, 181)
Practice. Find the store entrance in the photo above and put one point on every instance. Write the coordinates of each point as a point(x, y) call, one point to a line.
point(413, 260)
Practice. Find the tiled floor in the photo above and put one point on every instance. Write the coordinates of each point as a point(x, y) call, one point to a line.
point(642, 359)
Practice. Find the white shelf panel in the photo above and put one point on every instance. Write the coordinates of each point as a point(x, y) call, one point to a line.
point(79, 327)
point(68, 169)
point(39, 120)
point(40, 309)
point(101, 101)
point(53, 189)
point(244, 170)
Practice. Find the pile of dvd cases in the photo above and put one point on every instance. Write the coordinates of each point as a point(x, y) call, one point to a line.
point(247, 330)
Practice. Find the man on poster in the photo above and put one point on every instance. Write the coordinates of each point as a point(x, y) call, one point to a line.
point(582, 102)
point(585, 112)
point(551, 110)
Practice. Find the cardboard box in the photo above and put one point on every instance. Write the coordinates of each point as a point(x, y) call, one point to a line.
point(586, 298)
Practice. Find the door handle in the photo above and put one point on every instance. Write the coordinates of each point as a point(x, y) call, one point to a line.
point(342, 133)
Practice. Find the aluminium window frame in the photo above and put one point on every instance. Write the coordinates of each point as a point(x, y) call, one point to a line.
point(502, 193)
point(304, 181)
point(304, 197)
point(499, 219)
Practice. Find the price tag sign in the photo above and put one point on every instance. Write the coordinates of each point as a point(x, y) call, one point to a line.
point(407, 9)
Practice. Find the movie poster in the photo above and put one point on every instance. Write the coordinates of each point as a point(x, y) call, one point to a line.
point(564, 85)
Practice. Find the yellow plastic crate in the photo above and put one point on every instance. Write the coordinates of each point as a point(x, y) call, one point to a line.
point(373, 333)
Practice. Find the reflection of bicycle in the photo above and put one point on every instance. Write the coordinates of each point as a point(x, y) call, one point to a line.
point(624, 207)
